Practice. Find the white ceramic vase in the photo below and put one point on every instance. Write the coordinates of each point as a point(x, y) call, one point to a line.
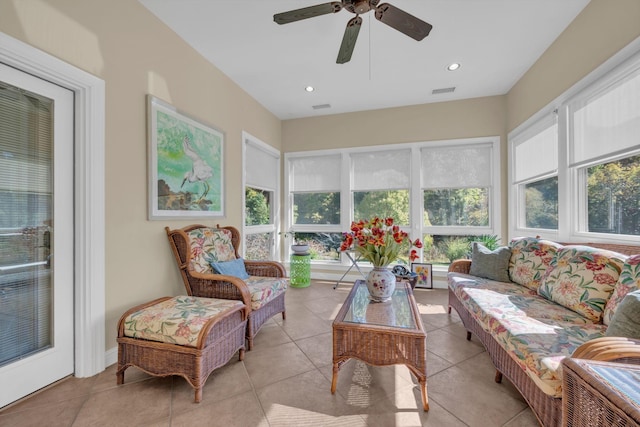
point(381, 283)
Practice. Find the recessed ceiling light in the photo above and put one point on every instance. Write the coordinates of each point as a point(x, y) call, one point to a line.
point(309, 89)
point(453, 67)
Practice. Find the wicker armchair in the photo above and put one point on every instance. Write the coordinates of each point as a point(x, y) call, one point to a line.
point(263, 292)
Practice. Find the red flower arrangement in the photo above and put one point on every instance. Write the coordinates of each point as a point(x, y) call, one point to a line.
point(379, 241)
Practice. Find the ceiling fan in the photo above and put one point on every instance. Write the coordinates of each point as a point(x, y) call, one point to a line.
point(392, 16)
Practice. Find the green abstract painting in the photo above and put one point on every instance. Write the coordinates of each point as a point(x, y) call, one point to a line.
point(186, 162)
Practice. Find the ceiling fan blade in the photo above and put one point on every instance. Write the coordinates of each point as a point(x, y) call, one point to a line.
point(349, 40)
point(402, 21)
point(307, 12)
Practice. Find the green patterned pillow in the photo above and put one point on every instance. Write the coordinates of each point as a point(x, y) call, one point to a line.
point(626, 320)
point(582, 279)
point(530, 259)
point(491, 265)
point(629, 281)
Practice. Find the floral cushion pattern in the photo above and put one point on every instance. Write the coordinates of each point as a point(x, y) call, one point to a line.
point(628, 281)
point(538, 347)
point(530, 259)
point(210, 245)
point(179, 320)
point(536, 332)
point(582, 279)
point(265, 289)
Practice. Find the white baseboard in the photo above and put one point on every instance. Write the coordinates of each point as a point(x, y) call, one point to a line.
point(111, 357)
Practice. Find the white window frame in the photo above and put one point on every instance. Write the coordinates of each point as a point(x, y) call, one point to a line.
point(517, 208)
point(250, 140)
point(415, 228)
point(572, 197)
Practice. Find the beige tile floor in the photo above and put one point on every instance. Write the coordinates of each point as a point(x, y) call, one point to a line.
point(286, 381)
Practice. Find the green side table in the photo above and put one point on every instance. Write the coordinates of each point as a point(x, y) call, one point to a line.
point(300, 271)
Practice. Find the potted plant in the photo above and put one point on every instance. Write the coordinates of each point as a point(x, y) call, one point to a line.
point(299, 246)
point(380, 242)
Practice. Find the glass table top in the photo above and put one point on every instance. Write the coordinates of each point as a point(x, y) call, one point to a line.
point(396, 312)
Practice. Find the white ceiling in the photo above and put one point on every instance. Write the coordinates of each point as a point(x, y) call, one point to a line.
point(495, 41)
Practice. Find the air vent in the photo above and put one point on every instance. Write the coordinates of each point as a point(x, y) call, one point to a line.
point(443, 90)
point(321, 106)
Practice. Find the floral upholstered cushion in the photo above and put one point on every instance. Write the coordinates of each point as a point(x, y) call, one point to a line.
point(530, 259)
point(179, 320)
point(538, 346)
point(582, 279)
point(265, 289)
point(210, 245)
point(628, 281)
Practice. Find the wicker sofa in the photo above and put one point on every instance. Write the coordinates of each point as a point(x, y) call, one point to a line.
point(537, 317)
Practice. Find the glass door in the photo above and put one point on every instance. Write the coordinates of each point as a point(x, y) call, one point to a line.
point(36, 234)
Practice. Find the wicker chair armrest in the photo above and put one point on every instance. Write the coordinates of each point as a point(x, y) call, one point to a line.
point(460, 266)
point(265, 268)
point(609, 349)
point(223, 286)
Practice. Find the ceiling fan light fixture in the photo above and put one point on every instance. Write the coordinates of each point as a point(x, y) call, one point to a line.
point(454, 66)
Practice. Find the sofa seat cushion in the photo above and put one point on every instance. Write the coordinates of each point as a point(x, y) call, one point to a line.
point(459, 281)
point(178, 320)
point(265, 289)
point(210, 245)
point(539, 345)
point(582, 279)
point(530, 259)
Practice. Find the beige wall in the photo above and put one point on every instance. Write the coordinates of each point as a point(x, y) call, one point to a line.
point(602, 29)
point(122, 43)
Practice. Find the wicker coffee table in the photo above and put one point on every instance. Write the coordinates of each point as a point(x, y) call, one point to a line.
point(381, 334)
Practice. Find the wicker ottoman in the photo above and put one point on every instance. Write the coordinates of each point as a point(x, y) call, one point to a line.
point(186, 336)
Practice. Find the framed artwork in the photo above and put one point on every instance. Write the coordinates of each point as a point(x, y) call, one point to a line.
point(424, 272)
point(186, 165)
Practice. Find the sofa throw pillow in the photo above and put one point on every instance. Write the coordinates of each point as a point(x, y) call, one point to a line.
point(489, 264)
point(234, 268)
point(530, 259)
point(626, 320)
point(210, 244)
point(629, 281)
point(582, 279)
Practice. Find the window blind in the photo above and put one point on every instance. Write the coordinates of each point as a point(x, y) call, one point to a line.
point(262, 168)
point(537, 155)
point(26, 144)
point(317, 173)
point(456, 167)
point(381, 170)
point(607, 122)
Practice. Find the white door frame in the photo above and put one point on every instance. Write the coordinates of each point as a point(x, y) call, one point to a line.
point(89, 193)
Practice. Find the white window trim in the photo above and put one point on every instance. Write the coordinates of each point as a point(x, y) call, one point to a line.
point(89, 170)
point(570, 220)
point(248, 139)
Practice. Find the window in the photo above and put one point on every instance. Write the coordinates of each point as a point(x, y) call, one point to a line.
point(457, 186)
point(381, 181)
point(442, 190)
point(576, 170)
point(535, 176)
point(541, 203)
point(261, 178)
point(613, 197)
